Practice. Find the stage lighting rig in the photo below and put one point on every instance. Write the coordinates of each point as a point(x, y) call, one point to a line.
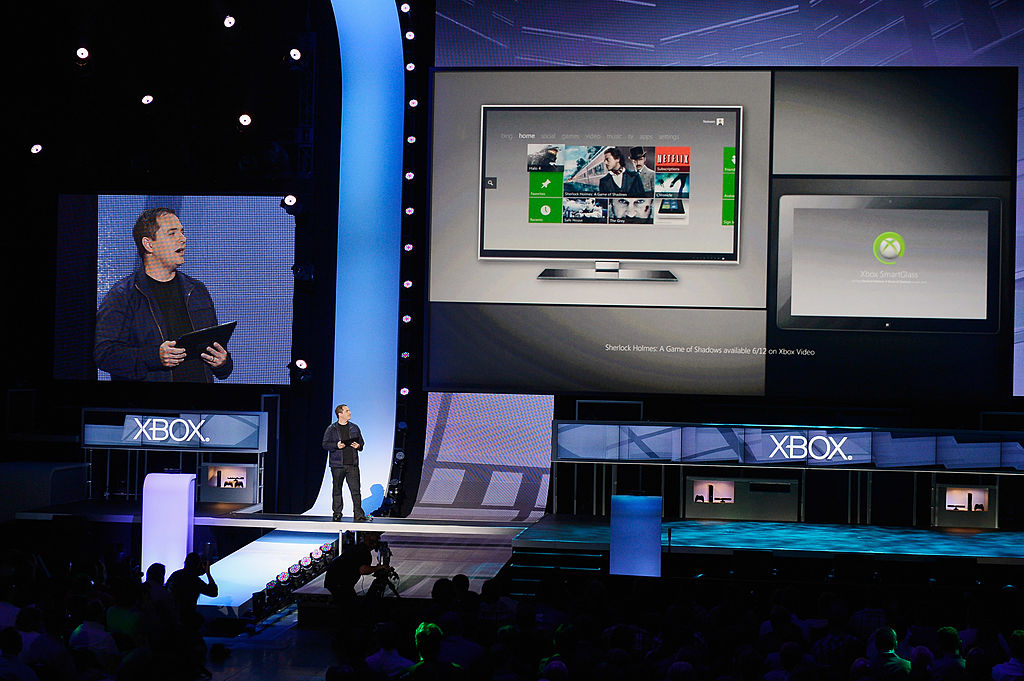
point(292, 205)
point(298, 370)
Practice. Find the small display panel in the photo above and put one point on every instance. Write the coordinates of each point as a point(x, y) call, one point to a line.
point(888, 263)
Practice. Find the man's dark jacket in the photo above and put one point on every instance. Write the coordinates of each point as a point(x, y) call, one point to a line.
point(348, 456)
point(130, 328)
point(632, 185)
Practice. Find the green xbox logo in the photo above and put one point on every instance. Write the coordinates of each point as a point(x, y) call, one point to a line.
point(889, 247)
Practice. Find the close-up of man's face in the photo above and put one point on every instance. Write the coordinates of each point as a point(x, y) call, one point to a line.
point(639, 162)
point(168, 244)
point(625, 208)
point(611, 163)
point(344, 414)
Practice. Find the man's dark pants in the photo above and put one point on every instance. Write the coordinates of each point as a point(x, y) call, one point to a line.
point(339, 475)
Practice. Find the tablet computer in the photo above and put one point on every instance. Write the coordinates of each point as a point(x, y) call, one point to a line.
point(196, 342)
point(889, 263)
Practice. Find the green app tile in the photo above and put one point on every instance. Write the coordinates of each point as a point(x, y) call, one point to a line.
point(728, 213)
point(729, 159)
point(545, 184)
point(729, 186)
point(545, 210)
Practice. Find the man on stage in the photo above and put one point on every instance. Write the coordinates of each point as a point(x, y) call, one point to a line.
point(342, 440)
point(143, 312)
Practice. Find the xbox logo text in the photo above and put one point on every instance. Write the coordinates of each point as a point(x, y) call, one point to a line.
point(889, 247)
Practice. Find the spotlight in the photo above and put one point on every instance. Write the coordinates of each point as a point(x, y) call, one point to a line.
point(298, 371)
point(399, 456)
point(410, 139)
point(410, 67)
point(294, 570)
point(401, 425)
point(271, 585)
point(409, 176)
point(317, 554)
point(147, 99)
point(245, 120)
point(305, 561)
point(407, 284)
point(407, 248)
point(409, 35)
point(36, 148)
point(292, 205)
point(405, 355)
point(82, 53)
point(229, 21)
point(409, 210)
point(294, 54)
point(414, 103)
point(282, 578)
point(406, 318)
point(405, 7)
point(403, 391)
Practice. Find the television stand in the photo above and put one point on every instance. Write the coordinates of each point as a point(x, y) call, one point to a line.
point(607, 270)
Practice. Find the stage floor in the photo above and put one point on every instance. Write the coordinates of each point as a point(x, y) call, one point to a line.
point(425, 550)
point(788, 539)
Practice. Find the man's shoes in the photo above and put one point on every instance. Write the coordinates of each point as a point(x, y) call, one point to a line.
point(364, 519)
point(336, 517)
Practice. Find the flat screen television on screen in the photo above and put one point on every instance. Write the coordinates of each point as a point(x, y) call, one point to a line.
point(610, 183)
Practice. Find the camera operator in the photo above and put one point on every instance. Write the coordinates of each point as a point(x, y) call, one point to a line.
point(356, 561)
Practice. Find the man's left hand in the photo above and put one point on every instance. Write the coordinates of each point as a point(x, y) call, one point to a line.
point(354, 445)
point(215, 356)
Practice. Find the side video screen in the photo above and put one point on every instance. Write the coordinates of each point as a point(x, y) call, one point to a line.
point(134, 272)
point(889, 263)
point(651, 182)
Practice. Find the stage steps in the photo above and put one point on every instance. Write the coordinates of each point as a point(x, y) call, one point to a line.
point(529, 567)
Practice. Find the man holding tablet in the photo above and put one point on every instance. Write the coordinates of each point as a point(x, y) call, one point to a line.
point(142, 314)
point(343, 441)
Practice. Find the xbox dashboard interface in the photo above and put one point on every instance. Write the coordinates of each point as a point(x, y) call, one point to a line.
point(651, 182)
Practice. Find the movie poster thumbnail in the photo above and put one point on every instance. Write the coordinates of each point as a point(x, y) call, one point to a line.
point(545, 158)
point(604, 171)
point(585, 210)
point(672, 185)
point(627, 210)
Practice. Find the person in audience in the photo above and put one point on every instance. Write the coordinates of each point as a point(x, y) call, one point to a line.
point(949, 663)
point(886, 665)
point(12, 668)
point(921, 661)
point(42, 652)
point(93, 637)
point(430, 668)
point(186, 585)
point(387, 660)
point(1012, 669)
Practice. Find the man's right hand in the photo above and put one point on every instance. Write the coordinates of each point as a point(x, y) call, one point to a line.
point(341, 445)
point(171, 356)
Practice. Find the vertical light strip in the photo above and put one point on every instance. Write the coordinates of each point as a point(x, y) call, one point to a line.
point(635, 538)
point(168, 516)
point(369, 226)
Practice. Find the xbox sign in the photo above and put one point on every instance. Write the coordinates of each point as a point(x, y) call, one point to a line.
point(889, 247)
